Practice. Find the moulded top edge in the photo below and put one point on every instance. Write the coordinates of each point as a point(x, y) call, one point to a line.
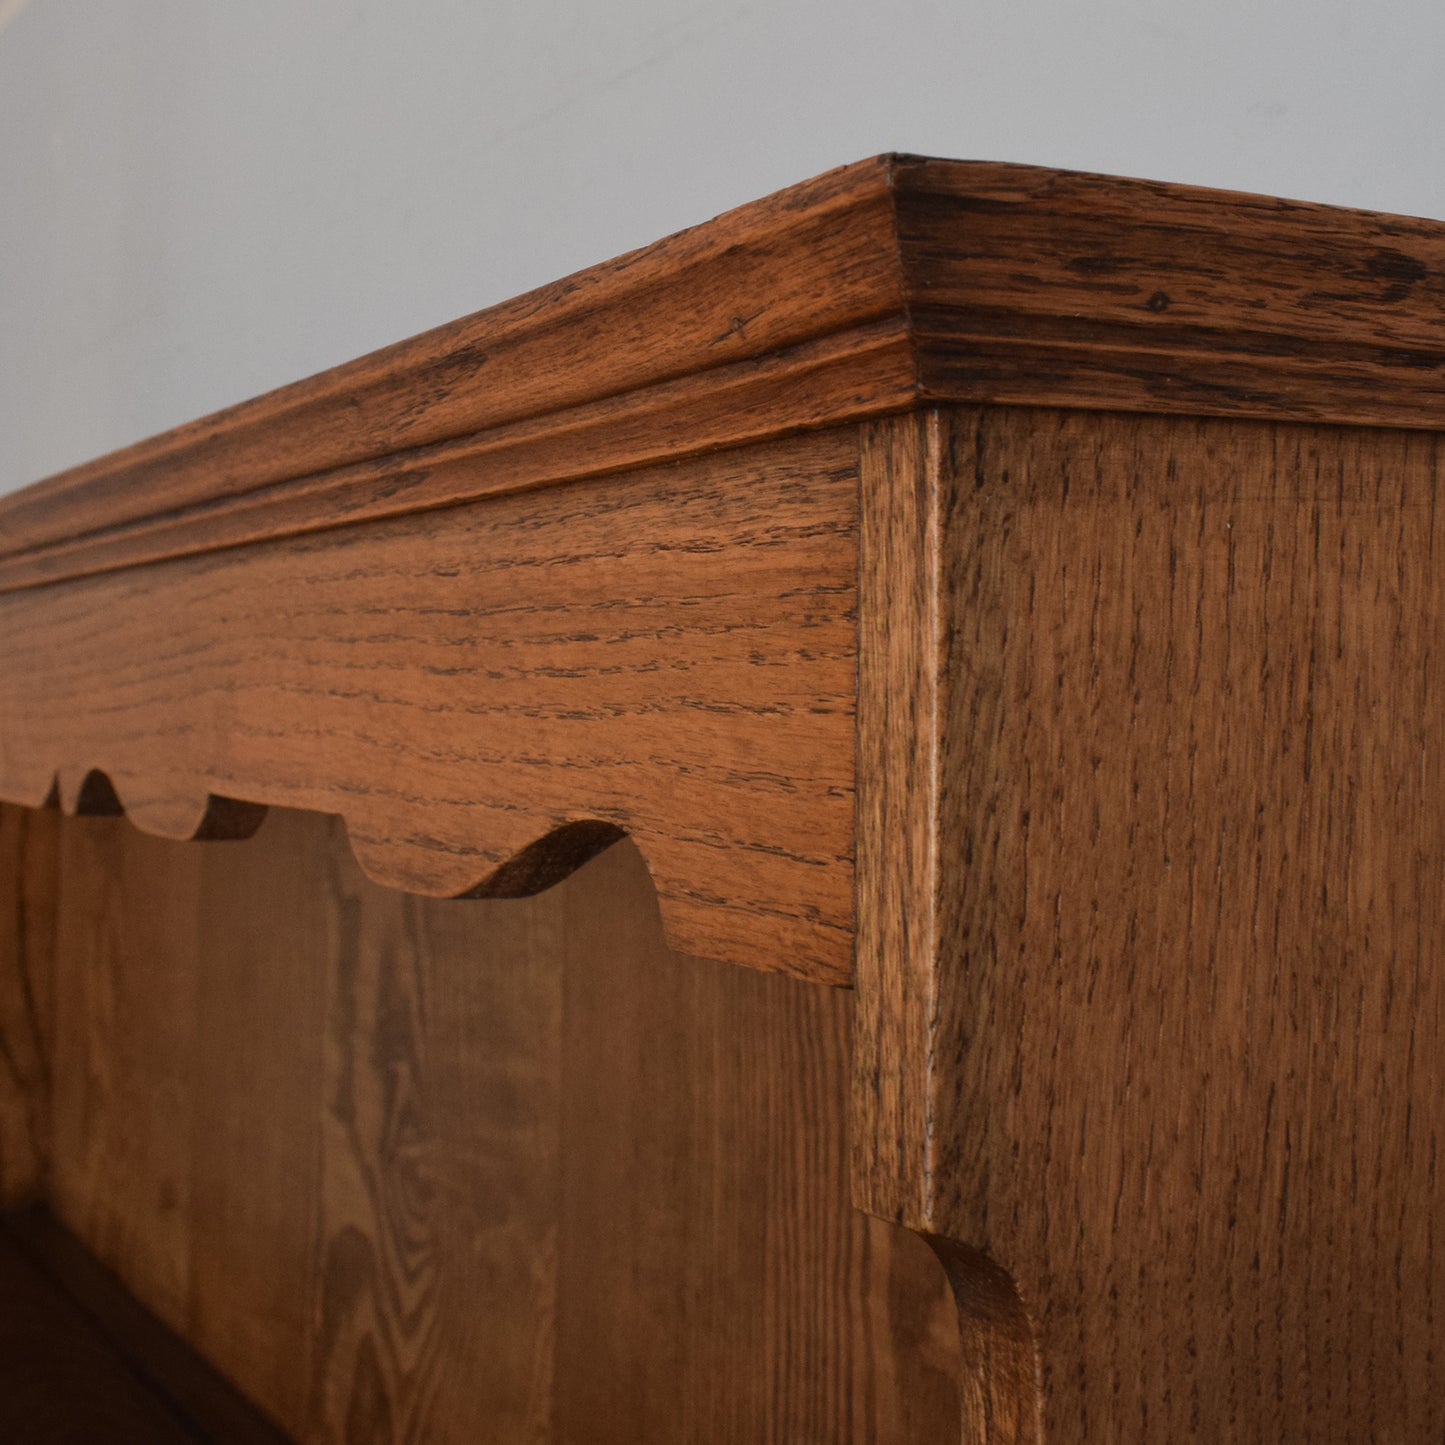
point(895, 282)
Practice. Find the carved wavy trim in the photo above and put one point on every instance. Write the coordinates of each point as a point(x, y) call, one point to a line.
point(531, 869)
point(875, 288)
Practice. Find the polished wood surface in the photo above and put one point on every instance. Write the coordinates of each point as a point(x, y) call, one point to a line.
point(1034, 287)
point(491, 694)
point(876, 288)
point(780, 316)
point(907, 882)
point(1006, 595)
point(455, 1171)
point(1154, 1015)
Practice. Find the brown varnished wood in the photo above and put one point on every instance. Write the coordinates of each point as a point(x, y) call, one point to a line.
point(899, 875)
point(1058, 549)
point(453, 1171)
point(1175, 843)
point(905, 896)
point(1040, 287)
point(752, 1307)
point(127, 1047)
point(757, 288)
point(863, 292)
point(28, 884)
point(489, 695)
point(733, 405)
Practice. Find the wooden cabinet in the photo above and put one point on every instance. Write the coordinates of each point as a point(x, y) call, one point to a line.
point(829, 832)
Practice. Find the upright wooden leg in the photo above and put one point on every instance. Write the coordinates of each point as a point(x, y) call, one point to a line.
point(904, 919)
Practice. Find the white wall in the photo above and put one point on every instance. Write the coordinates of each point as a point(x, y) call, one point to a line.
point(201, 199)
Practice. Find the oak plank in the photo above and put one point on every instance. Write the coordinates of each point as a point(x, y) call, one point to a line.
point(712, 1103)
point(435, 1279)
point(909, 889)
point(815, 261)
point(251, 1251)
point(125, 1060)
point(1033, 287)
point(808, 387)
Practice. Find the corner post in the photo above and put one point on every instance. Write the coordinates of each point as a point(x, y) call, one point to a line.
point(907, 920)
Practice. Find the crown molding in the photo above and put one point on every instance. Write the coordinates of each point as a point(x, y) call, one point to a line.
point(888, 284)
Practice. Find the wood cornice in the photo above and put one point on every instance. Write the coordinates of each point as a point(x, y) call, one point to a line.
point(779, 316)
point(884, 285)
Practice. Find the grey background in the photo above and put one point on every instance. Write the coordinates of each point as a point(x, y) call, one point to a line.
point(202, 199)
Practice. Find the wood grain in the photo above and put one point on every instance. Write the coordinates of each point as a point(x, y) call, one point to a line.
point(28, 886)
point(452, 1171)
point(906, 896)
point(736, 405)
point(490, 695)
point(1117, 682)
point(1179, 1068)
point(816, 261)
point(876, 287)
point(1039, 287)
point(899, 874)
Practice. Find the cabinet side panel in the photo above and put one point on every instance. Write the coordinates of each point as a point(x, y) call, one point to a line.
point(1187, 1074)
point(28, 851)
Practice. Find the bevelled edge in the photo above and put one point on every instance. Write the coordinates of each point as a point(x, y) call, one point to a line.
point(889, 284)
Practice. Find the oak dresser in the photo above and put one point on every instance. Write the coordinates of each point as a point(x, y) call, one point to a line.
point(833, 831)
